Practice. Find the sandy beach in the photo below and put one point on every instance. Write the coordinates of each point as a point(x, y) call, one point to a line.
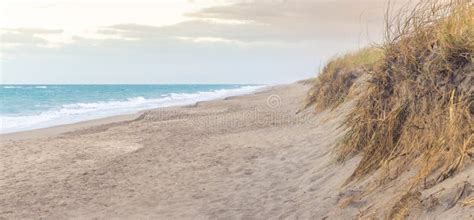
point(258, 156)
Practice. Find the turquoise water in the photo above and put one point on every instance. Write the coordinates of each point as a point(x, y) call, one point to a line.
point(26, 107)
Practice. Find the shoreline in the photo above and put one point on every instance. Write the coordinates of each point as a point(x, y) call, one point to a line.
point(175, 162)
point(69, 127)
point(64, 128)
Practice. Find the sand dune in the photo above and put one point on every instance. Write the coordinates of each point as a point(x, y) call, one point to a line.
point(248, 157)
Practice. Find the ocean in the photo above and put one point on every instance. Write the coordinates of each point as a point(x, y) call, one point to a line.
point(27, 107)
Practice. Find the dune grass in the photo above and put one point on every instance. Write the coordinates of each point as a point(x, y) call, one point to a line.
point(419, 102)
point(418, 107)
point(333, 84)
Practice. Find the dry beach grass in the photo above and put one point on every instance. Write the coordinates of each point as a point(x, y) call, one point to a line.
point(416, 115)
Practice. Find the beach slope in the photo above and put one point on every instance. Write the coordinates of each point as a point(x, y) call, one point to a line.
point(256, 156)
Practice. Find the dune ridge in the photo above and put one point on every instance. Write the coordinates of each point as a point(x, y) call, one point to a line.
point(412, 121)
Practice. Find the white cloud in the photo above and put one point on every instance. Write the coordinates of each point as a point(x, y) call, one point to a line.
point(11, 37)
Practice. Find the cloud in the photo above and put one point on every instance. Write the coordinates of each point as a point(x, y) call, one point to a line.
point(21, 38)
point(304, 19)
point(26, 36)
point(238, 32)
point(272, 21)
point(34, 30)
point(198, 29)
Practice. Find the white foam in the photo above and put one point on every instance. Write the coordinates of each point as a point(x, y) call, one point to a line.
point(72, 113)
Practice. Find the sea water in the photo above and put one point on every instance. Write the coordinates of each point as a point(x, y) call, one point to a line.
point(26, 107)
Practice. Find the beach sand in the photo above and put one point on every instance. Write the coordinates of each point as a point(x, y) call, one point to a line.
point(256, 156)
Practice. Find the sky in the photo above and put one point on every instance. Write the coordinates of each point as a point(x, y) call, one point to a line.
point(179, 41)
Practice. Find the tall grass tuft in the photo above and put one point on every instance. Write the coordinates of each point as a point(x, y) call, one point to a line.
point(419, 105)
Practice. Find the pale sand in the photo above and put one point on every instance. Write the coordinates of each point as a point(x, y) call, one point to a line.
point(249, 157)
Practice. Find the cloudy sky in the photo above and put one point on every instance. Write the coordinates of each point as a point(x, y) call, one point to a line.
point(179, 41)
